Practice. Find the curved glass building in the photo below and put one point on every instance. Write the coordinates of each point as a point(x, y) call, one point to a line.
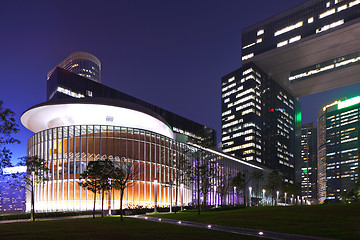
point(83, 64)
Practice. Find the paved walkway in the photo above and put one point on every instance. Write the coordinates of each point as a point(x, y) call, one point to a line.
point(236, 230)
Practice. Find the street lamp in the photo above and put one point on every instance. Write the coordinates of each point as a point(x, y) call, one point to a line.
point(235, 194)
point(182, 189)
point(155, 182)
point(285, 198)
point(263, 197)
point(250, 188)
point(277, 197)
point(292, 199)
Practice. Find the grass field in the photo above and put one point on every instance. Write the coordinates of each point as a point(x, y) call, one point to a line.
point(108, 228)
point(331, 221)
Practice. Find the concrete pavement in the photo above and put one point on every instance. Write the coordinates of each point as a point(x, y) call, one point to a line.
point(236, 230)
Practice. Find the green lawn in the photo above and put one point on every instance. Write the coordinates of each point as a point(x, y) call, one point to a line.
point(331, 221)
point(107, 228)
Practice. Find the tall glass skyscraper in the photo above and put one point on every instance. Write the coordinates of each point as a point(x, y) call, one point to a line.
point(308, 166)
point(338, 151)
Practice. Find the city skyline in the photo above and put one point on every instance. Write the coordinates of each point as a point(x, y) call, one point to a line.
point(159, 52)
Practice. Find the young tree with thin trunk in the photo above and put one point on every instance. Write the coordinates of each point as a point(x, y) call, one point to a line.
point(96, 179)
point(36, 173)
point(123, 173)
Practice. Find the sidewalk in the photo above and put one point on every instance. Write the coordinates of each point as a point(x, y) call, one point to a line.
point(236, 230)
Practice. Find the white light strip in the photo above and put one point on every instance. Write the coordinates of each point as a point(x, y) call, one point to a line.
point(327, 27)
point(247, 46)
point(327, 13)
point(70, 93)
point(354, 3)
point(289, 28)
point(246, 57)
point(225, 156)
point(315, 71)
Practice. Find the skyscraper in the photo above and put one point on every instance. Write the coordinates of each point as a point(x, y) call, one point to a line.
point(308, 167)
point(338, 151)
point(258, 120)
point(304, 50)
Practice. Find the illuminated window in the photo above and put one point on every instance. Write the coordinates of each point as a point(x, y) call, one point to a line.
point(354, 3)
point(343, 7)
point(281, 44)
point(327, 13)
point(294, 39)
point(289, 28)
point(259, 40)
point(260, 32)
point(246, 57)
point(249, 45)
point(310, 20)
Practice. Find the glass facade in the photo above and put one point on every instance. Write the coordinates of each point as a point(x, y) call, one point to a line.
point(67, 151)
point(83, 64)
point(304, 20)
point(341, 131)
point(258, 120)
point(308, 166)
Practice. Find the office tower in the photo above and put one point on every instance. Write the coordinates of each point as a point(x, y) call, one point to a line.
point(309, 48)
point(338, 151)
point(308, 166)
point(83, 64)
point(304, 50)
point(258, 120)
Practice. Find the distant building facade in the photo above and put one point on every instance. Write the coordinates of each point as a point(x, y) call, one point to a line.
point(11, 198)
point(338, 149)
point(308, 170)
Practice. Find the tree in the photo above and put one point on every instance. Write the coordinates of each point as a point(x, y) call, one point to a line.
point(223, 187)
point(201, 172)
point(8, 127)
point(241, 181)
point(123, 171)
point(238, 181)
point(273, 183)
point(36, 173)
point(257, 177)
point(96, 179)
point(183, 166)
point(292, 189)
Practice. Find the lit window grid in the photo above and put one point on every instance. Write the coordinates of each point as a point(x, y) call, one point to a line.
point(290, 26)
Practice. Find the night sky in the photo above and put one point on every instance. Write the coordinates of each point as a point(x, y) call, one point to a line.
point(169, 53)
